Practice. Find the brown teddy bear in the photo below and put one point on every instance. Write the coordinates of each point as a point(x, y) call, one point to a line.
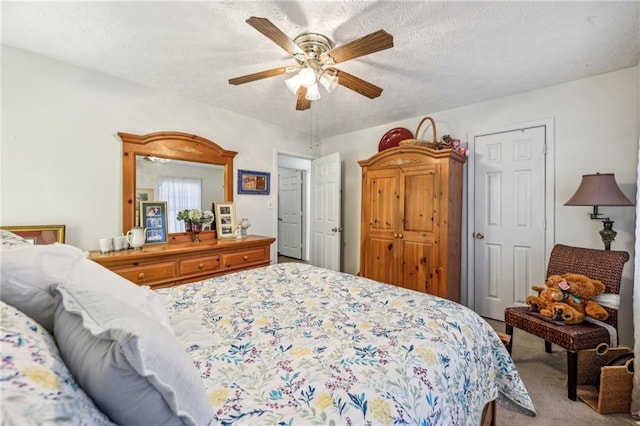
point(551, 293)
point(577, 302)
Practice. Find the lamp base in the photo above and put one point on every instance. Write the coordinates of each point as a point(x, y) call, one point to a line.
point(607, 234)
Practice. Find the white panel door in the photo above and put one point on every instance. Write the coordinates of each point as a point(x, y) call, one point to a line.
point(326, 212)
point(509, 226)
point(290, 213)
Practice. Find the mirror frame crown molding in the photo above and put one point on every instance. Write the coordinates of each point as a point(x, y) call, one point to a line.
point(172, 145)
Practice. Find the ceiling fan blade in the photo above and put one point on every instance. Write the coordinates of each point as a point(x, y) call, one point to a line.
point(260, 75)
point(274, 34)
point(302, 103)
point(374, 42)
point(358, 85)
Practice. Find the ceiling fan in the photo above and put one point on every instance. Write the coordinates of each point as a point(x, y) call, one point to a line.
point(315, 57)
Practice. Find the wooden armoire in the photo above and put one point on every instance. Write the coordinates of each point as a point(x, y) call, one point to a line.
point(412, 218)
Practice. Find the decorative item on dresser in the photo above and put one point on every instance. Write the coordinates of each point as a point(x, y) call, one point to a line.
point(411, 219)
point(225, 220)
point(167, 265)
point(153, 218)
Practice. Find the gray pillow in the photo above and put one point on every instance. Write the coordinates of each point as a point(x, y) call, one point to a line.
point(134, 369)
point(29, 272)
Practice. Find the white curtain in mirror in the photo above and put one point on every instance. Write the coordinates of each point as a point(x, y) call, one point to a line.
point(180, 194)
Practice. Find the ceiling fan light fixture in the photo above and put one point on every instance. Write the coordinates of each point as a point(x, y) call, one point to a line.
point(307, 76)
point(329, 80)
point(316, 56)
point(294, 83)
point(313, 92)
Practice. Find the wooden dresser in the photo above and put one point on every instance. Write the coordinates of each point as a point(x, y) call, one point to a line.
point(411, 219)
point(167, 265)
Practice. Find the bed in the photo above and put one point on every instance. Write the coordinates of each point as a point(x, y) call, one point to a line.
point(285, 344)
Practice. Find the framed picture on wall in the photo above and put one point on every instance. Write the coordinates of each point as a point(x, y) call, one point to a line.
point(225, 220)
point(250, 182)
point(153, 216)
point(39, 234)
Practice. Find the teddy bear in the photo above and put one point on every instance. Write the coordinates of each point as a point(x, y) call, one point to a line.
point(577, 302)
point(551, 293)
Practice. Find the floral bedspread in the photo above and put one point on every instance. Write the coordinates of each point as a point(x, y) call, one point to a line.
point(292, 344)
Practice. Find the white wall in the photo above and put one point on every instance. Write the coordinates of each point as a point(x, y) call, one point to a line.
point(596, 131)
point(60, 156)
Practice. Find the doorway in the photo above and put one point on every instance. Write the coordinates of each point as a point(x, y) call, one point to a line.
point(293, 208)
point(291, 217)
point(321, 215)
point(510, 194)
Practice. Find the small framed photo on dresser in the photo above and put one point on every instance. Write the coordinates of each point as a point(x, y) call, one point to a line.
point(153, 216)
point(225, 220)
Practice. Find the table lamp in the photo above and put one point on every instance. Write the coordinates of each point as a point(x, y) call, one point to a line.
point(596, 190)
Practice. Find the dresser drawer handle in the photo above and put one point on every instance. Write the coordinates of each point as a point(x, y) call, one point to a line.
point(245, 257)
point(201, 265)
point(141, 276)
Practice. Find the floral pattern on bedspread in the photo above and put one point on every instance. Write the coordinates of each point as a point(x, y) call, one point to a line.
point(36, 387)
point(294, 344)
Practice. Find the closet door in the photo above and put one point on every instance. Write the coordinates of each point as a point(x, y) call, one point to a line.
point(380, 221)
point(419, 218)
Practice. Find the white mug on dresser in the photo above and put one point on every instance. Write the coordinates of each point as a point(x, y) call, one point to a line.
point(119, 243)
point(105, 245)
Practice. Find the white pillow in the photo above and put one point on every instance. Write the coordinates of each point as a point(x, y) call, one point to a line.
point(132, 367)
point(30, 273)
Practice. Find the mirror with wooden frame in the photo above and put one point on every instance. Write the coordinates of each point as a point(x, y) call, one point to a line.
point(186, 155)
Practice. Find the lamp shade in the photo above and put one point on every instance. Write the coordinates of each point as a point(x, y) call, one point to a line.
point(329, 80)
point(599, 190)
point(294, 83)
point(313, 93)
point(307, 76)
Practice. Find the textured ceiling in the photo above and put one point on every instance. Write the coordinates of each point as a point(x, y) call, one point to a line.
point(445, 54)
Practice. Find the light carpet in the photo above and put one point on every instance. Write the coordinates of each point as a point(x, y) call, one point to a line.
point(544, 376)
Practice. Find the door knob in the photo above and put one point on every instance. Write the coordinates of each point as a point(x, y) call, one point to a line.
point(339, 229)
point(479, 235)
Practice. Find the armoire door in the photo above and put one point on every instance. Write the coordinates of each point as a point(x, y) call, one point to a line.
point(380, 217)
point(419, 201)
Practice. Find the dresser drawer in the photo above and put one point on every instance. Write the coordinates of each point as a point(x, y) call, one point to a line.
point(199, 264)
point(240, 258)
point(146, 274)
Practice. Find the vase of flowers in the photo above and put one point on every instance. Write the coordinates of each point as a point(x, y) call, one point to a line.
point(184, 215)
point(197, 218)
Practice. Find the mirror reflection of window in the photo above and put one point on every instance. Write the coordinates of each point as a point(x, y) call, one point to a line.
point(180, 194)
point(210, 178)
